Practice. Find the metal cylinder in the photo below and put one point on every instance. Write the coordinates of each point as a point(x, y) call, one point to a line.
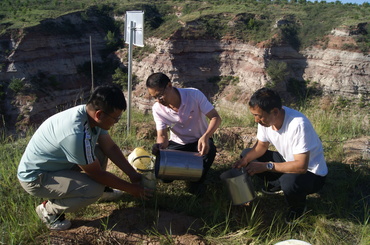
point(239, 186)
point(178, 165)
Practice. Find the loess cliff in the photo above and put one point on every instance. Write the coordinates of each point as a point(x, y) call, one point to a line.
point(49, 62)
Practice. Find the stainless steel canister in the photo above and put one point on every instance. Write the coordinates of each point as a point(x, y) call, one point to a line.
point(178, 165)
point(239, 186)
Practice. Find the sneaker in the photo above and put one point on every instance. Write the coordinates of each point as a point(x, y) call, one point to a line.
point(55, 222)
point(110, 194)
point(294, 215)
point(271, 190)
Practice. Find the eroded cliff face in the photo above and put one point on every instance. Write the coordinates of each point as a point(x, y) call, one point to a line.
point(339, 72)
point(48, 61)
point(194, 62)
point(39, 54)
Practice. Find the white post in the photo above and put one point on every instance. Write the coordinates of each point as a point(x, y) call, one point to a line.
point(129, 91)
point(134, 32)
point(92, 68)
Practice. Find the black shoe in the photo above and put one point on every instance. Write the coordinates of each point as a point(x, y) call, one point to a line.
point(271, 190)
point(294, 214)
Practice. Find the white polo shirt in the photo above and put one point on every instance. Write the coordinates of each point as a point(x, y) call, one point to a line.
point(189, 123)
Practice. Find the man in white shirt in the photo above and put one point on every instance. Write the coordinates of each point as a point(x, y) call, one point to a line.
point(298, 168)
point(183, 112)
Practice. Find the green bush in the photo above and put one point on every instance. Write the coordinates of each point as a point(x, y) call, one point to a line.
point(120, 77)
point(16, 85)
point(277, 71)
point(223, 81)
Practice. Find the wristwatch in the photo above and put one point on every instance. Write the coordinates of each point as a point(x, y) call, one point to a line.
point(270, 166)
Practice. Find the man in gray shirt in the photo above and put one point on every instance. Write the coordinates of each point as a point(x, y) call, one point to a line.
point(67, 141)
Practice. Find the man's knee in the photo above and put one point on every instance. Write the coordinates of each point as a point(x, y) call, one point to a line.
point(290, 183)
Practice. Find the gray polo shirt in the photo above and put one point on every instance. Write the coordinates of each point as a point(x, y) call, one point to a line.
point(61, 141)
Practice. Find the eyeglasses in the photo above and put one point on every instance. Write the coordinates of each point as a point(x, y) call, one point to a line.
point(160, 95)
point(116, 119)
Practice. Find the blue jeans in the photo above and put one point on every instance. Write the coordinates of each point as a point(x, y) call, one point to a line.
point(193, 147)
point(295, 186)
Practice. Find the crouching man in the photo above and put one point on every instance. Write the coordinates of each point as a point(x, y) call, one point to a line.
point(65, 142)
point(298, 167)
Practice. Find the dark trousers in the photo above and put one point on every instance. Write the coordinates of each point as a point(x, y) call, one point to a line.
point(193, 147)
point(295, 186)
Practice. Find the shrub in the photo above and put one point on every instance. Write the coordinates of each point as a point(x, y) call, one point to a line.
point(16, 85)
point(223, 81)
point(277, 71)
point(120, 77)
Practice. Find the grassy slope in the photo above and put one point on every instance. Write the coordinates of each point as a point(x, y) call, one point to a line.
point(339, 214)
point(339, 217)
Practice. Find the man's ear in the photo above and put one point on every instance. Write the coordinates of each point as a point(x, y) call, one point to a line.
point(275, 111)
point(98, 114)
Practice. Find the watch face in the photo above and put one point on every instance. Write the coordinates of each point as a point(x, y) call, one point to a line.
point(270, 166)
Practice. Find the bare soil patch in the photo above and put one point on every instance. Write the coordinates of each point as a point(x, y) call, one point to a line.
point(129, 226)
point(357, 150)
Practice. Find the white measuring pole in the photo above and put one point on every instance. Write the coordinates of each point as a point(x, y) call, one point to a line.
point(129, 91)
point(134, 35)
point(92, 68)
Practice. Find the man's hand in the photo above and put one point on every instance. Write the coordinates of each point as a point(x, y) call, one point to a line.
point(256, 168)
point(156, 148)
point(239, 164)
point(135, 178)
point(203, 146)
point(140, 192)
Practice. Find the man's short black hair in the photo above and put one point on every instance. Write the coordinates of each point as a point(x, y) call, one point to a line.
point(157, 80)
point(107, 98)
point(266, 99)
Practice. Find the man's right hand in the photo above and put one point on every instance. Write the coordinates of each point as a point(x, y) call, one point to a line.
point(140, 192)
point(156, 148)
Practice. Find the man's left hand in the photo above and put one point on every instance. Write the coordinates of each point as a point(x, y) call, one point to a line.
point(255, 168)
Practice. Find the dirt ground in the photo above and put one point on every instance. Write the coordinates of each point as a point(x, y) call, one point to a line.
point(129, 226)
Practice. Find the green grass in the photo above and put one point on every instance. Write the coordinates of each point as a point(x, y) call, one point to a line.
point(16, 213)
point(339, 214)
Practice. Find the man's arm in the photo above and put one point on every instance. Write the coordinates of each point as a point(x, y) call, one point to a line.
point(114, 153)
point(94, 171)
point(214, 123)
point(162, 138)
point(298, 166)
point(106, 178)
point(257, 151)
